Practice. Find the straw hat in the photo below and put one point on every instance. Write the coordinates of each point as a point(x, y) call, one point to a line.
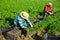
point(24, 15)
point(50, 4)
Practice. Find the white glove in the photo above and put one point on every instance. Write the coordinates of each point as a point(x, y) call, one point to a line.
point(50, 13)
point(31, 25)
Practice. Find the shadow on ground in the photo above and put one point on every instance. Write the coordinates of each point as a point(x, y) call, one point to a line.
point(36, 37)
point(0, 19)
point(10, 20)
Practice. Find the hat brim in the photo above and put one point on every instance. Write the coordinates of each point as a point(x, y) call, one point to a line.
point(23, 16)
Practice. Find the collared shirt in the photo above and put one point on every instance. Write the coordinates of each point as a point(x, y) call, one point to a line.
point(22, 22)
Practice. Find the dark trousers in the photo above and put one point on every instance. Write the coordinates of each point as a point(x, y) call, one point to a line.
point(46, 13)
point(23, 30)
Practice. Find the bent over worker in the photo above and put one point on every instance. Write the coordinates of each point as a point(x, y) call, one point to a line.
point(22, 21)
point(48, 9)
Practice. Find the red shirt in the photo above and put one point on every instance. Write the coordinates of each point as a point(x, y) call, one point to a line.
point(47, 8)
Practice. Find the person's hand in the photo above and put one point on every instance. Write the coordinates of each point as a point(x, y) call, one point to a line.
point(50, 12)
point(31, 25)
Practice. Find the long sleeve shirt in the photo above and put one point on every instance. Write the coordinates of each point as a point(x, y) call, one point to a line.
point(22, 22)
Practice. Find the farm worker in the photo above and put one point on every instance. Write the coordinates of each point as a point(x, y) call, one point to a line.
point(47, 9)
point(22, 21)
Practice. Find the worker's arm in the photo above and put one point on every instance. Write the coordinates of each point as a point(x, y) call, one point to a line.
point(29, 22)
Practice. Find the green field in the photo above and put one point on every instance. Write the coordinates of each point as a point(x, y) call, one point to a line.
point(10, 8)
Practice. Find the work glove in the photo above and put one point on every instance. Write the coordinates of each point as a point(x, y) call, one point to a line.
point(31, 25)
point(50, 12)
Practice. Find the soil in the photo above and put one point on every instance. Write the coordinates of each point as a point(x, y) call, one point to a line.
point(2, 37)
point(35, 35)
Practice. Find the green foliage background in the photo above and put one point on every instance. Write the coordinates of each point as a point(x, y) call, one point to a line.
point(10, 8)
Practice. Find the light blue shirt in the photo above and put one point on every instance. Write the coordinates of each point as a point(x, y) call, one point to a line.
point(22, 22)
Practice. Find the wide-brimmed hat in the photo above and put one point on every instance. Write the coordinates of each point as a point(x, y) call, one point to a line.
point(50, 4)
point(24, 15)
